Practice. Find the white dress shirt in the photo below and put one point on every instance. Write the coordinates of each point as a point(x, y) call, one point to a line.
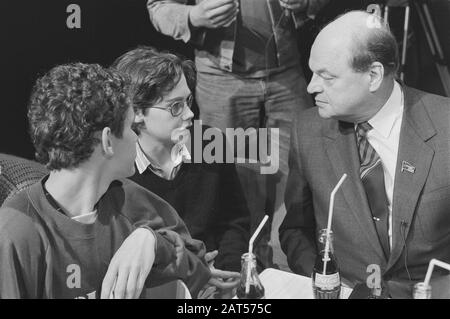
point(384, 138)
point(179, 154)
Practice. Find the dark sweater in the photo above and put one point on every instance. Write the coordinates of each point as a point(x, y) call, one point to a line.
point(209, 198)
point(45, 254)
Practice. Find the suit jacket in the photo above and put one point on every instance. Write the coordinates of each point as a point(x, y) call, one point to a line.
point(323, 150)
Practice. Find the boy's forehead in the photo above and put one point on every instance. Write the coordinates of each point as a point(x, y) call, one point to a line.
point(181, 89)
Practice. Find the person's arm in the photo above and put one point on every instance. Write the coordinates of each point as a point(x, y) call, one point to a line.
point(187, 262)
point(22, 257)
point(233, 220)
point(314, 6)
point(297, 231)
point(171, 18)
point(177, 254)
point(187, 21)
point(303, 9)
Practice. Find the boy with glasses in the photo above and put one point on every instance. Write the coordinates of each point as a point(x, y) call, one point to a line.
point(207, 196)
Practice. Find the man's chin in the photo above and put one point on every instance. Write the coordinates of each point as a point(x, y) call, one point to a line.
point(323, 113)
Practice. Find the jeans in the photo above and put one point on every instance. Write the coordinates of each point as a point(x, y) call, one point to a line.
point(227, 100)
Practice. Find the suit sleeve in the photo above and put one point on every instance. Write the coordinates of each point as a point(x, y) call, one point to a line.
point(171, 18)
point(22, 257)
point(178, 255)
point(297, 231)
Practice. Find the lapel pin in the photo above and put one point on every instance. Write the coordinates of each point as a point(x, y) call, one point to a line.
point(406, 167)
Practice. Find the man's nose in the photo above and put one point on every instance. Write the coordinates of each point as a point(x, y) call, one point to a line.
point(314, 85)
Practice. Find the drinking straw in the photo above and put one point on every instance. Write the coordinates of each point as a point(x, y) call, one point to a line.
point(250, 250)
point(330, 216)
point(431, 265)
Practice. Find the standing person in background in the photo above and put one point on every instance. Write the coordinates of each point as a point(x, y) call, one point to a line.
point(207, 196)
point(249, 76)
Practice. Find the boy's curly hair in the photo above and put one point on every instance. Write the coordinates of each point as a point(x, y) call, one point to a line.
point(68, 105)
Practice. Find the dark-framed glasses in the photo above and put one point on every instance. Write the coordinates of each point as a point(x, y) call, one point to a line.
point(176, 108)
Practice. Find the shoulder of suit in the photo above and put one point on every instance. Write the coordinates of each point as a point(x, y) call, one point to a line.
point(308, 115)
point(429, 99)
point(437, 107)
point(309, 121)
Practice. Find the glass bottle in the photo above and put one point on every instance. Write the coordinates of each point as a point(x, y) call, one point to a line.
point(326, 285)
point(377, 293)
point(421, 291)
point(249, 279)
point(381, 292)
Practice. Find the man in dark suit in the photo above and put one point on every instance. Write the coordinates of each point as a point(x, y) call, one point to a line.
point(392, 141)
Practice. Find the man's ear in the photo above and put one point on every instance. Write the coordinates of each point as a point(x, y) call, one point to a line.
point(376, 74)
point(107, 142)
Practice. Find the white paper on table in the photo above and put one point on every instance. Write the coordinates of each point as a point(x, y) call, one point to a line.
point(280, 284)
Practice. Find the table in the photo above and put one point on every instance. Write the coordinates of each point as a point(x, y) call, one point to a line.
point(280, 284)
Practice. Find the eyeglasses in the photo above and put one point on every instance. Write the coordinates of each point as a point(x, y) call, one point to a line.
point(177, 107)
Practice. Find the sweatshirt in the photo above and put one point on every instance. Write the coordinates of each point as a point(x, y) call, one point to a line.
point(45, 254)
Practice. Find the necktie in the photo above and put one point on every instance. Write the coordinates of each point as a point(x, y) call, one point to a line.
point(372, 177)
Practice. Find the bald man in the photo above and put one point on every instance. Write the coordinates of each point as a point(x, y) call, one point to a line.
point(392, 141)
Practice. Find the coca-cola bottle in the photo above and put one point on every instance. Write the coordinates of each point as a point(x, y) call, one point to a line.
point(421, 291)
point(379, 292)
point(326, 284)
point(250, 286)
point(375, 293)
